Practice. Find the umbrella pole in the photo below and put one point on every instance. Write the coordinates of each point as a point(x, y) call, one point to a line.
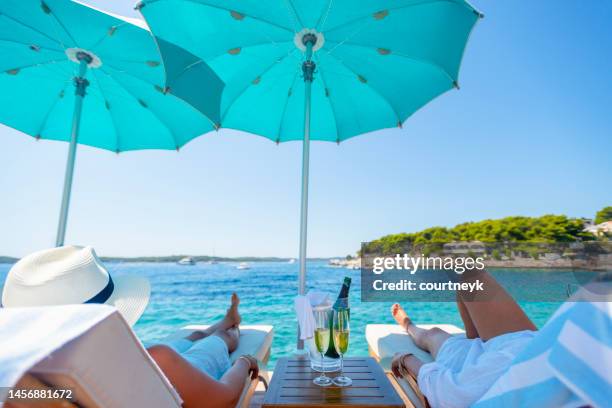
point(308, 68)
point(80, 84)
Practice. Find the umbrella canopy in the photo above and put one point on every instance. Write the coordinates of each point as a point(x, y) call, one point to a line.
point(320, 69)
point(377, 62)
point(69, 72)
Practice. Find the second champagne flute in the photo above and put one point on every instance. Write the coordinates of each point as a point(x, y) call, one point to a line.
point(341, 329)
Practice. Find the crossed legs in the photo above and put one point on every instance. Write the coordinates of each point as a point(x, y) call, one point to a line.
point(196, 388)
point(226, 328)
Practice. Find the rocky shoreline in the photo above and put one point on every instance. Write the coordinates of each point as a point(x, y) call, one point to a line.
point(594, 256)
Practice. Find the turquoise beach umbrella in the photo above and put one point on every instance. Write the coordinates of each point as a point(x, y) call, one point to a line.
point(319, 69)
point(72, 73)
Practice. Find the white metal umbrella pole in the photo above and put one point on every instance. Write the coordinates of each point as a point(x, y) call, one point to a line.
point(80, 84)
point(308, 68)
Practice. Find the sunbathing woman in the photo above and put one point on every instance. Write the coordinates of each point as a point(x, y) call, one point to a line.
point(198, 366)
point(466, 366)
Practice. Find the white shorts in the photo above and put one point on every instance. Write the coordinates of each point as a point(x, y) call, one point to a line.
point(459, 351)
point(209, 355)
point(466, 368)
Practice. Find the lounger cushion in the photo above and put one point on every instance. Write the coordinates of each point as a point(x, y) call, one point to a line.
point(385, 340)
point(254, 340)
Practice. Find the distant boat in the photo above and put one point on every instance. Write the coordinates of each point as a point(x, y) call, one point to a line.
point(335, 263)
point(291, 261)
point(213, 261)
point(243, 265)
point(186, 261)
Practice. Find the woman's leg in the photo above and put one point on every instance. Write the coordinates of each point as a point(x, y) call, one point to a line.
point(230, 336)
point(492, 312)
point(468, 324)
point(192, 383)
point(427, 339)
point(226, 329)
point(232, 319)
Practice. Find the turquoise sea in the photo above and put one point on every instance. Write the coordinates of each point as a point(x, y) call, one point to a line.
point(184, 295)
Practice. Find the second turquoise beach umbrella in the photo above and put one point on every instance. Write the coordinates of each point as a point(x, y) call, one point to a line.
point(69, 72)
point(320, 69)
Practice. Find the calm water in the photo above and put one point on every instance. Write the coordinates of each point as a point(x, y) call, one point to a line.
point(200, 294)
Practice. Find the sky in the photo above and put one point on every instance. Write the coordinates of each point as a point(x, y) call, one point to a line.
point(529, 133)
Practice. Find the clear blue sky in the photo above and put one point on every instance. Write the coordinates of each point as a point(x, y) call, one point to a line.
point(529, 133)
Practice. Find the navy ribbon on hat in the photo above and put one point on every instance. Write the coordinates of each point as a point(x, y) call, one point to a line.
point(101, 297)
point(104, 294)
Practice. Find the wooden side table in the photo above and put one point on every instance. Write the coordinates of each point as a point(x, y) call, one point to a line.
point(292, 386)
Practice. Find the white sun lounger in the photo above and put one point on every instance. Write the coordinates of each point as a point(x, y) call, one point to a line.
point(107, 366)
point(384, 340)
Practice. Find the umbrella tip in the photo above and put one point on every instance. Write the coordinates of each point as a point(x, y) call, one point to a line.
point(178, 149)
point(217, 126)
point(479, 14)
point(163, 90)
point(399, 124)
point(37, 137)
point(456, 85)
point(139, 5)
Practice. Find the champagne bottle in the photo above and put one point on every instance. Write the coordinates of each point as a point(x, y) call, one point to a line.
point(341, 303)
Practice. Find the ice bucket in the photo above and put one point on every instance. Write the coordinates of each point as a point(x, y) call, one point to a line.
point(327, 364)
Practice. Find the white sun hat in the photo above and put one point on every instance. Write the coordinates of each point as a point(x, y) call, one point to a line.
point(73, 275)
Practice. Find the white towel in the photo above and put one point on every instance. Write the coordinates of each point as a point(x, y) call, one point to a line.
point(28, 335)
point(303, 309)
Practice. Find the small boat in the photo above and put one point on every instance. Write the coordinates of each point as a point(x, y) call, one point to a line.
point(243, 265)
point(186, 261)
point(334, 263)
point(213, 260)
point(291, 261)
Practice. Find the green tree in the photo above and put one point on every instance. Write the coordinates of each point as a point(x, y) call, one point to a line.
point(546, 229)
point(603, 215)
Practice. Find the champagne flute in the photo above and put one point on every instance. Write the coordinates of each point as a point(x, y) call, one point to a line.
point(322, 334)
point(341, 329)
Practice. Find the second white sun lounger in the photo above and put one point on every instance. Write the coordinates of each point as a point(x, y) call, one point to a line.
point(384, 340)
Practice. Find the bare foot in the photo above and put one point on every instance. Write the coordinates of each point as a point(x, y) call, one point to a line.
point(232, 319)
point(400, 316)
point(232, 314)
